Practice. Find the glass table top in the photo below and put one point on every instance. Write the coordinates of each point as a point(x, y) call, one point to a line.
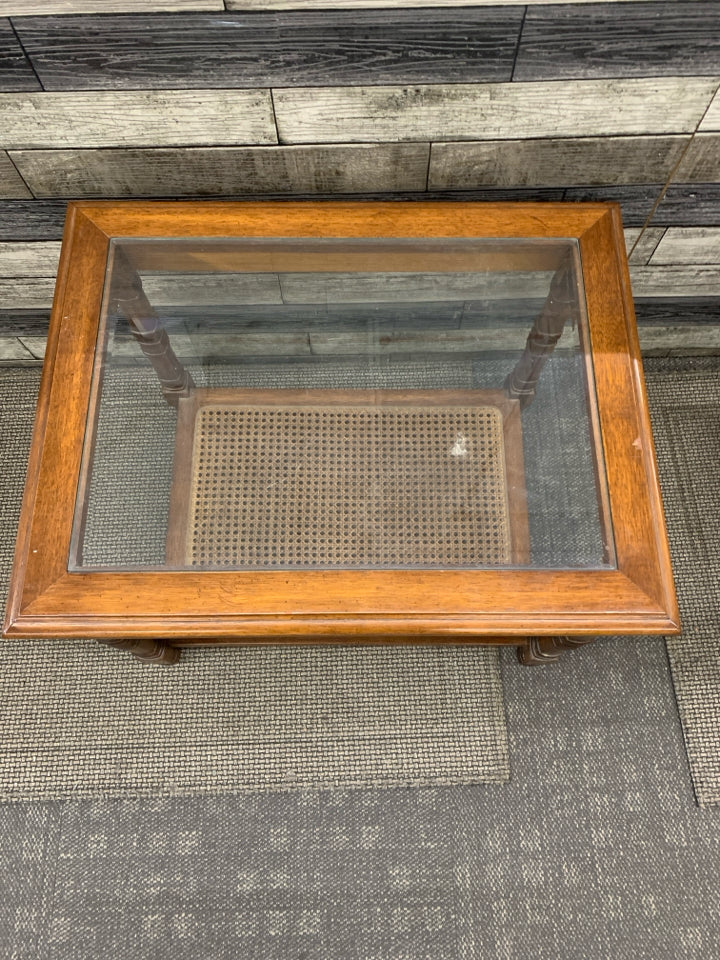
point(354, 404)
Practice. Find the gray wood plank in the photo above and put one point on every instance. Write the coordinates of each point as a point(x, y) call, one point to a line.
point(677, 311)
point(641, 244)
point(376, 4)
point(565, 162)
point(18, 8)
point(37, 259)
point(711, 120)
point(31, 219)
point(409, 288)
point(27, 294)
point(690, 204)
point(12, 348)
point(702, 161)
point(16, 73)
point(11, 183)
point(136, 118)
point(688, 245)
point(493, 111)
point(219, 171)
point(227, 288)
point(636, 200)
point(272, 50)
point(675, 281)
point(612, 40)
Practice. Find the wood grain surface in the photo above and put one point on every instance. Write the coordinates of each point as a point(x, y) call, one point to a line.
point(565, 162)
point(11, 183)
point(492, 111)
point(16, 72)
point(31, 219)
point(29, 259)
point(676, 281)
point(267, 50)
point(135, 118)
point(701, 163)
point(224, 172)
point(711, 120)
point(339, 4)
point(688, 245)
point(618, 40)
point(690, 203)
point(18, 8)
point(27, 293)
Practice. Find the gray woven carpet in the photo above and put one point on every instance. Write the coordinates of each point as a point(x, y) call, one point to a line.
point(82, 720)
point(685, 404)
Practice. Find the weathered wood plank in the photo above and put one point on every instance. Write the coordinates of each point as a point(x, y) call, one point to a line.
point(375, 4)
point(691, 204)
point(677, 311)
point(586, 160)
point(403, 287)
point(270, 50)
point(31, 219)
point(12, 349)
point(18, 8)
point(492, 111)
point(640, 244)
point(711, 120)
point(636, 200)
point(16, 73)
point(224, 172)
point(11, 183)
point(205, 289)
point(27, 294)
point(688, 245)
point(611, 40)
point(29, 259)
point(701, 163)
point(675, 281)
point(135, 118)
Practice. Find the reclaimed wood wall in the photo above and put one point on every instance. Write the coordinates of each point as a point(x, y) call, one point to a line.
point(366, 98)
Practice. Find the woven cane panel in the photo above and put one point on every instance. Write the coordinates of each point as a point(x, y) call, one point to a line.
point(348, 486)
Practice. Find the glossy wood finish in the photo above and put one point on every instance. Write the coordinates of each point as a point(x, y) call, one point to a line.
point(497, 606)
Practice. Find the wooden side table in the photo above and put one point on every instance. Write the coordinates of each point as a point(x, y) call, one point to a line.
point(342, 422)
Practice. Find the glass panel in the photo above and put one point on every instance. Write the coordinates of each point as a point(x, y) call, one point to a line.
point(352, 404)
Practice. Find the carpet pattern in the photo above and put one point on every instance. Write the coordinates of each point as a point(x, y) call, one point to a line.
point(81, 720)
point(685, 404)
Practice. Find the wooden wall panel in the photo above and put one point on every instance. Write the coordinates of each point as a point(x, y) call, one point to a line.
point(675, 281)
point(16, 72)
point(701, 163)
point(271, 50)
point(29, 259)
point(219, 171)
point(654, 39)
point(492, 111)
point(377, 4)
point(18, 8)
point(12, 184)
point(690, 203)
point(135, 118)
point(711, 120)
point(688, 245)
point(32, 219)
point(564, 162)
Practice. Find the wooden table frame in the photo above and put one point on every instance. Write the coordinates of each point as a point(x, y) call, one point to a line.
point(155, 612)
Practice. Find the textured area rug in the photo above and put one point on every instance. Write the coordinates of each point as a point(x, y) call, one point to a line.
point(685, 404)
point(79, 720)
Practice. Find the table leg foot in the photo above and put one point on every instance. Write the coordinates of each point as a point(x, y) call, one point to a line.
point(148, 651)
point(537, 650)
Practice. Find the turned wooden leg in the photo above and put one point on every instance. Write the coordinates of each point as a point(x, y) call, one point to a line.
point(536, 650)
point(149, 651)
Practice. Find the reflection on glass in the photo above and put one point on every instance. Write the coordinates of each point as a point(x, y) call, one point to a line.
point(338, 404)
